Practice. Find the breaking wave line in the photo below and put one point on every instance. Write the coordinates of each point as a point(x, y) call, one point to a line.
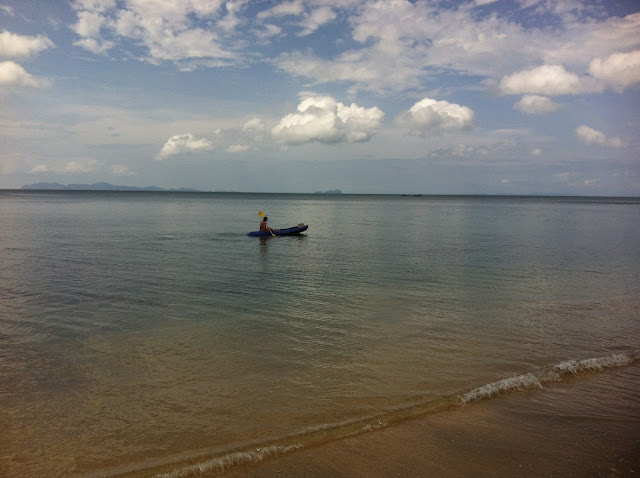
point(225, 462)
point(554, 374)
point(330, 432)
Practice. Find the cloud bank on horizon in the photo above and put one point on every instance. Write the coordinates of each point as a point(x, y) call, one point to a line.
point(183, 93)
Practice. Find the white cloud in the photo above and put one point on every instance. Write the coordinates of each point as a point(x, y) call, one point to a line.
point(591, 136)
point(429, 114)
point(14, 75)
point(81, 166)
point(268, 31)
point(232, 19)
point(535, 104)
point(578, 41)
point(94, 46)
point(97, 5)
point(325, 120)
point(89, 24)
point(7, 10)
point(238, 148)
point(121, 170)
point(13, 45)
point(254, 125)
point(619, 70)
point(357, 67)
point(549, 80)
point(316, 19)
point(183, 143)
point(89, 27)
point(165, 29)
point(398, 45)
point(40, 168)
point(70, 167)
point(296, 7)
point(404, 44)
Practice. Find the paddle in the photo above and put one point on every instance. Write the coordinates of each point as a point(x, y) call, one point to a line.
point(261, 214)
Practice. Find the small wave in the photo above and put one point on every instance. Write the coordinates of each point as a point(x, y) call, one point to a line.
point(222, 463)
point(521, 382)
point(538, 378)
point(330, 432)
point(593, 364)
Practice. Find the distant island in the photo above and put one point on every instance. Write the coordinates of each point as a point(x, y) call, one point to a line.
point(97, 187)
point(335, 191)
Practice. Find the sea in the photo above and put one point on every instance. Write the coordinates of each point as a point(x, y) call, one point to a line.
point(145, 334)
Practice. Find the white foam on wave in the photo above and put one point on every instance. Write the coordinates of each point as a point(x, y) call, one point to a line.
point(593, 364)
point(232, 459)
point(521, 382)
point(528, 381)
point(555, 373)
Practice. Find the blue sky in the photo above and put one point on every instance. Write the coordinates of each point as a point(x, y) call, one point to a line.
point(393, 96)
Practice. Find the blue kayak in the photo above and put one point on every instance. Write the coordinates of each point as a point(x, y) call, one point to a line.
point(291, 231)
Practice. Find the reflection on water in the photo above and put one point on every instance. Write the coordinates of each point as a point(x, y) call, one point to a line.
point(149, 327)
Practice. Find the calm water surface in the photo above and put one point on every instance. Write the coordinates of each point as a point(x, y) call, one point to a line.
point(144, 329)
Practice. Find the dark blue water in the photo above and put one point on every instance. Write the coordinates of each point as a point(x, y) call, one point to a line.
point(144, 328)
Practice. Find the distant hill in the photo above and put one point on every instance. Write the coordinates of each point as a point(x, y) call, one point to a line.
point(97, 187)
point(335, 191)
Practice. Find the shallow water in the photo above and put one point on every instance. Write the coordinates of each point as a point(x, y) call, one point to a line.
point(586, 425)
point(146, 328)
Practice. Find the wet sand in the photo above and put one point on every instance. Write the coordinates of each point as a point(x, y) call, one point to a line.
point(589, 426)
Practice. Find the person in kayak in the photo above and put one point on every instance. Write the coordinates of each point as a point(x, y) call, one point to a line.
point(264, 227)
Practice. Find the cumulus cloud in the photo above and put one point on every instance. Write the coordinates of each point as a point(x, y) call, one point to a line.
point(88, 28)
point(325, 120)
point(591, 136)
point(548, 80)
point(254, 125)
point(14, 46)
point(14, 75)
point(619, 70)
point(402, 44)
point(183, 143)
point(535, 104)
point(432, 115)
point(397, 45)
point(166, 30)
point(253, 131)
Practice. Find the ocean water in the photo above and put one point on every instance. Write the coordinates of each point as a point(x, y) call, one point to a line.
point(145, 333)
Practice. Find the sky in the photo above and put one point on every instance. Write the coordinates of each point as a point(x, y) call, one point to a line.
point(383, 97)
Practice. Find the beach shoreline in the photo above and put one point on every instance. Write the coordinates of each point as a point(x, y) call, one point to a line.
point(568, 429)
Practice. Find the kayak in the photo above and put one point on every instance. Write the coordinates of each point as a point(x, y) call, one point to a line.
point(291, 231)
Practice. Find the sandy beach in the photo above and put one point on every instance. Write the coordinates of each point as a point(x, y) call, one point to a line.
point(584, 427)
